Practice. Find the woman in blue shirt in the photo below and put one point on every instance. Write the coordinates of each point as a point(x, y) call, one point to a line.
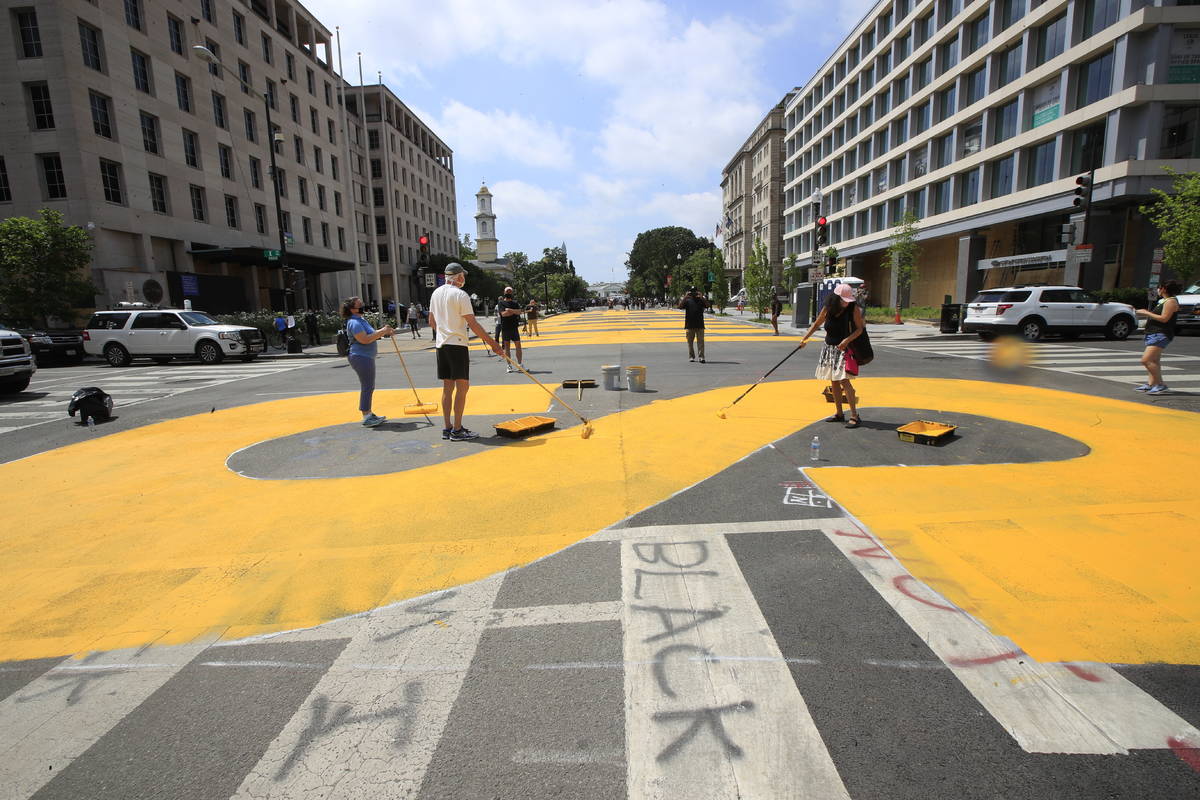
point(363, 348)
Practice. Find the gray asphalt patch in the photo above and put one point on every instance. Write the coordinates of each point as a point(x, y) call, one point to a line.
point(517, 732)
point(16, 674)
point(589, 572)
point(200, 733)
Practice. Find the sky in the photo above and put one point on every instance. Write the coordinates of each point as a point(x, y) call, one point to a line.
point(590, 120)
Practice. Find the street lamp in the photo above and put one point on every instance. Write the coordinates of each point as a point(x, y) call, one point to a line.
point(207, 56)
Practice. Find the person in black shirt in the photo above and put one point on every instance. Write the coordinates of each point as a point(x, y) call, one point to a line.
point(693, 305)
point(1160, 331)
point(509, 312)
point(776, 308)
point(843, 321)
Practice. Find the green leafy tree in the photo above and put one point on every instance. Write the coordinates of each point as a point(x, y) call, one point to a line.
point(792, 272)
point(1177, 217)
point(902, 255)
point(554, 259)
point(718, 292)
point(480, 282)
point(466, 248)
point(653, 258)
point(757, 277)
point(42, 265)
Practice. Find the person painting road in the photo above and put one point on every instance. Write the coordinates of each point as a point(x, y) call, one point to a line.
point(843, 323)
point(363, 348)
point(1160, 331)
point(508, 310)
point(451, 316)
point(693, 305)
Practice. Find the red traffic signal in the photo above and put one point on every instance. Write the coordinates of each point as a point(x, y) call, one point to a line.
point(423, 240)
point(822, 232)
point(822, 222)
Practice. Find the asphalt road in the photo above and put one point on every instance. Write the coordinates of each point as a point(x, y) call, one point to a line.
point(261, 598)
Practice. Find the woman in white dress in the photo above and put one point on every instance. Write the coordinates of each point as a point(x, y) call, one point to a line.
point(843, 321)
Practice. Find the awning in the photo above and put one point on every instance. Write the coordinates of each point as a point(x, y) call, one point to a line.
point(254, 256)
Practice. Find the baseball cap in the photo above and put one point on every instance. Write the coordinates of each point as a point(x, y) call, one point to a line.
point(453, 268)
point(845, 292)
point(691, 288)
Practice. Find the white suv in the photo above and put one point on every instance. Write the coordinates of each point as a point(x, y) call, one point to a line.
point(1189, 308)
point(163, 334)
point(1034, 311)
point(17, 364)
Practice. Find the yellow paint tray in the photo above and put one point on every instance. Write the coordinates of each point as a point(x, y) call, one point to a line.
point(525, 426)
point(925, 432)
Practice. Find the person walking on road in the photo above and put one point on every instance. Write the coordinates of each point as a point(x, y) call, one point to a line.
point(693, 305)
point(451, 317)
point(313, 328)
point(281, 329)
point(843, 321)
point(363, 348)
point(414, 320)
point(1160, 331)
point(509, 313)
point(776, 308)
point(531, 315)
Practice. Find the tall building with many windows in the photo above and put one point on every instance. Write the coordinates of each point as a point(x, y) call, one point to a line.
point(118, 122)
point(978, 117)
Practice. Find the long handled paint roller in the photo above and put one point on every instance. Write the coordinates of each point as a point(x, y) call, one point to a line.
point(418, 408)
point(721, 413)
point(586, 433)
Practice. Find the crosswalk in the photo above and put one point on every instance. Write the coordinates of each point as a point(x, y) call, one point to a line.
point(1119, 366)
point(47, 396)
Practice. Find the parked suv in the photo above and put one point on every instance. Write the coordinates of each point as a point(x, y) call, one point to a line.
point(1189, 308)
point(16, 362)
point(1034, 311)
point(48, 344)
point(162, 334)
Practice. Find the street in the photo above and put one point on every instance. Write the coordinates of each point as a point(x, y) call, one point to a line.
point(233, 589)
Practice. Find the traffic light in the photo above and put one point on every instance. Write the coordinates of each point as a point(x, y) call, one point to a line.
point(1083, 193)
point(822, 232)
point(423, 247)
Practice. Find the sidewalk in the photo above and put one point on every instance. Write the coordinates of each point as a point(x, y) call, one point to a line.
point(403, 338)
point(909, 329)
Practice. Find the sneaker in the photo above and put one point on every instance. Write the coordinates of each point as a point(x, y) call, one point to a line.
point(1145, 387)
point(509, 368)
point(372, 420)
point(1162, 387)
point(702, 361)
point(691, 359)
point(463, 435)
point(445, 433)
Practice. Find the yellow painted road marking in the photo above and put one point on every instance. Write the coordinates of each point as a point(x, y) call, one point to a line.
point(145, 535)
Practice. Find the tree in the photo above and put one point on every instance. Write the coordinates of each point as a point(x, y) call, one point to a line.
point(719, 293)
point(653, 258)
point(41, 267)
point(757, 277)
point(466, 249)
point(480, 282)
point(792, 273)
point(1177, 217)
point(902, 255)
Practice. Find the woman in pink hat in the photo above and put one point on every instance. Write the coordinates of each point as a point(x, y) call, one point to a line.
point(843, 323)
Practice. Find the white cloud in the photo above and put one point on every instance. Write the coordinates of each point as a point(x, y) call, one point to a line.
point(482, 135)
point(698, 210)
point(518, 200)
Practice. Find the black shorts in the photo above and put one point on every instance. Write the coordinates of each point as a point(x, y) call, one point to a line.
point(513, 335)
point(453, 363)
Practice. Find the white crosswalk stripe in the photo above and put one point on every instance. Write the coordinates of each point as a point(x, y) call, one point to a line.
point(1119, 366)
point(47, 396)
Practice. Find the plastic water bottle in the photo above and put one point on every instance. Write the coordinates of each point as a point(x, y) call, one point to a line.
point(814, 449)
point(91, 424)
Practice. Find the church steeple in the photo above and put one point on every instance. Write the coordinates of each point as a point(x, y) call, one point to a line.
point(485, 226)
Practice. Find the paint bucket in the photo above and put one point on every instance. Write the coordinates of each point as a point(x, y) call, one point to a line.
point(636, 377)
point(612, 377)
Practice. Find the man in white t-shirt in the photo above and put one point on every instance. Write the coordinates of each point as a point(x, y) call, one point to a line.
point(451, 316)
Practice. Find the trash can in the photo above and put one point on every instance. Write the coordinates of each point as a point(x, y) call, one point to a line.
point(293, 345)
point(801, 303)
point(612, 377)
point(951, 317)
point(636, 377)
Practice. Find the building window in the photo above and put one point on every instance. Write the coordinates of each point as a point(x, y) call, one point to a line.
point(306, 229)
point(318, 160)
point(377, 195)
point(41, 107)
point(281, 181)
point(310, 80)
point(1087, 148)
point(328, 94)
point(1051, 39)
point(298, 146)
point(150, 137)
point(225, 159)
point(1095, 80)
point(1002, 176)
point(941, 197)
point(244, 77)
point(1010, 12)
point(31, 35)
point(206, 11)
point(215, 49)
point(1009, 65)
point(1007, 122)
point(302, 186)
point(175, 33)
point(1179, 139)
point(89, 42)
point(287, 222)
point(183, 92)
point(337, 203)
point(922, 117)
point(376, 169)
point(5, 189)
point(976, 85)
point(255, 173)
point(314, 121)
point(948, 103)
point(977, 33)
point(950, 9)
point(320, 197)
point(110, 178)
point(141, 71)
point(341, 234)
point(239, 28)
point(325, 235)
point(1098, 15)
point(381, 226)
point(949, 54)
point(968, 188)
point(133, 13)
point(290, 62)
point(191, 149)
point(384, 254)
point(232, 219)
point(922, 74)
point(101, 114)
point(272, 99)
point(972, 137)
point(199, 203)
point(219, 118)
point(158, 193)
point(266, 48)
point(251, 125)
point(331, 131)
point(260, 218)
point(53, 182)
point(294, 107)
point(1040, 164)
